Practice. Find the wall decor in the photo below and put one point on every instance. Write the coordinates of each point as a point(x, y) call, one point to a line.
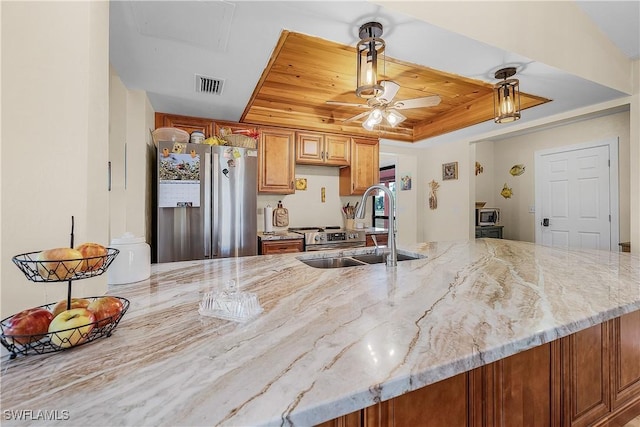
point(301, 183)
point(449, 171)
point(479, 168)
point(433, 197)
point(405, 182)
point(516, 170)
point(506, 192)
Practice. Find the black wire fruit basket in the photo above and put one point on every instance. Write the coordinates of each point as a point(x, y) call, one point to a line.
point(39, 267)
point(48, 342)
point(39, 270)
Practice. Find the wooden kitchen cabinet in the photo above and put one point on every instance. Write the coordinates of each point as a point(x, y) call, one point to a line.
point(382, 239)
point(270, 247)
point(186, 123)
point(276, 161)
point(589, 378)
point(364, 170)
point(313, 148)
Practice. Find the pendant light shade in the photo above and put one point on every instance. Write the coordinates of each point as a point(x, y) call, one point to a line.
point(506, 97)
point(370, 60)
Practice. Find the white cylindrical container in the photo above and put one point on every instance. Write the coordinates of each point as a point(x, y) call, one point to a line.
point(133, 263)
point(268, 222)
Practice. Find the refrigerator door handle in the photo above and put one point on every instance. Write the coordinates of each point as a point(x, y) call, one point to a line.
point(207, 205)
point(216, 176)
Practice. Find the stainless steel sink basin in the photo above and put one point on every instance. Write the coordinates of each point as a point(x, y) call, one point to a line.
point(377, 259)
point(352, 261)
point(332, 262)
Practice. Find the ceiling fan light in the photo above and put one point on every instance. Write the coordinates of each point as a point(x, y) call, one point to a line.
point(375, 116)
point(394, 118)
point(506, 97)
point(370, 50)
point(368, 124)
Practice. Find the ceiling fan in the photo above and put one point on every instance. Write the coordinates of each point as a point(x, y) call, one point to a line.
point(383, 106)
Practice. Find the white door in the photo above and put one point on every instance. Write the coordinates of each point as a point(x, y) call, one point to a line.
point(574, 206)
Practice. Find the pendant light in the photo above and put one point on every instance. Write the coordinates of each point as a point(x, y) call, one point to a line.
point(506, 96)
point(370, 52)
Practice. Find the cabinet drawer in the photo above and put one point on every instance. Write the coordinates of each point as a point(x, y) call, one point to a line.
point(281, 246)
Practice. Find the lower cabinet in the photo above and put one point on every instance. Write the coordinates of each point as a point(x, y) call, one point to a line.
point(590, 378)
point(381, 239)
point(269, 247)
point(490, 231)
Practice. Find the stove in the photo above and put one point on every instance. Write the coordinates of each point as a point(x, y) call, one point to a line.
point(330, 237)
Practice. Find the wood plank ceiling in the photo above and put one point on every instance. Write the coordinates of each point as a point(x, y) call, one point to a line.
point(304, 72)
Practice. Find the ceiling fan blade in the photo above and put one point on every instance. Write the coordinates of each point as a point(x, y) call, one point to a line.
point(348, 104)
point(356, 117)
point(390, 90)
point(427, 101)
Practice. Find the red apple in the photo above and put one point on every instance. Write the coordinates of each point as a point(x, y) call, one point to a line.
point(92, 251)
point(106, 309)
point(56, 270)
point(71, 327)
point(75, 303)
point(28, 325)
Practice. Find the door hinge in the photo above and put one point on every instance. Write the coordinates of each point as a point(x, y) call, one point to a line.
point(609, 162)
point(609, 218)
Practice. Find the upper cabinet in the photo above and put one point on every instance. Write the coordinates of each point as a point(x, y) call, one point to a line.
point(276, 161)
point(314, 148)
point(186, 123)
point(364, 170)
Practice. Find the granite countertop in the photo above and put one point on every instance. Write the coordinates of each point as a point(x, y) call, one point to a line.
point(329, 342)
point(280, 235)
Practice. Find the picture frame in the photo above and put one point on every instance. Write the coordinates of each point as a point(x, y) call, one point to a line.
point(449, 171)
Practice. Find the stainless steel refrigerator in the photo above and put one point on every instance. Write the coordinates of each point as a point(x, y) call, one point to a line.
point(206, 201)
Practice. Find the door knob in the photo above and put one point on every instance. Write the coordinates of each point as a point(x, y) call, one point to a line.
point(545, 222)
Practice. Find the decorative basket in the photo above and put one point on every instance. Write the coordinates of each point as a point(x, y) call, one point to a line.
point(59, 340)
point(63, 270)
point(244, 141)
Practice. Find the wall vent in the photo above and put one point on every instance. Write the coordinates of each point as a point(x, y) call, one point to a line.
point(209, 85)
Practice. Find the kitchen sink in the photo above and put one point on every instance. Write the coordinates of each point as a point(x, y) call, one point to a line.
point(332, 262)
point(353, 260)
point(377, 259)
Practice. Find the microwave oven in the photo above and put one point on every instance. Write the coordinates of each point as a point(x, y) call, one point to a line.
point(487, 216)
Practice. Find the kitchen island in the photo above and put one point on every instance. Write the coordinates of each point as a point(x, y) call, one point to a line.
point(329, 342)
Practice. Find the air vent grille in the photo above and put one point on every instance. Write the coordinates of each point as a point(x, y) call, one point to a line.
point(209, 85)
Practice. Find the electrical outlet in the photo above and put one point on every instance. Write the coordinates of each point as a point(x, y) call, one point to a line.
point(532, 209)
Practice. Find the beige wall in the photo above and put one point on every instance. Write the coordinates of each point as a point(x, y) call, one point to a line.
point(54, 139)
point(518, 222)
point(485, 184)
point(451, 219)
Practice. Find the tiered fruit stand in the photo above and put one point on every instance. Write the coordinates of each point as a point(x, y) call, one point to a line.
point(37, 270)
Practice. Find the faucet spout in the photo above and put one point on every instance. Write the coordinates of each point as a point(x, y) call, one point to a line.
point(392, 256)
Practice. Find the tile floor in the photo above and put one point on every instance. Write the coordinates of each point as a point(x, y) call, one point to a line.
point(634, 422)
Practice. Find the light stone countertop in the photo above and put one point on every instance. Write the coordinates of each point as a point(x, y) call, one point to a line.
point(329, 342)
point(280, 235)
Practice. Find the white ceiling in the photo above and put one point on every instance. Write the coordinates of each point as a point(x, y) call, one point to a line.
point(159, 47)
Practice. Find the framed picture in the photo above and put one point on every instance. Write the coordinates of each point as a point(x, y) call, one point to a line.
point(449, 171)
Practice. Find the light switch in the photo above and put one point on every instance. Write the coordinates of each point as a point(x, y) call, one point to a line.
point(532, 209)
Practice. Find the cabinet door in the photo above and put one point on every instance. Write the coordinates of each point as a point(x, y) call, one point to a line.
point(625, 361)
point(337, 150)
point(309, 148)
point(281, 246)
point(364, 170)
point(186, 123)
point(585, 365)
point(382, 239)
point(523, 389)
point(276, 162)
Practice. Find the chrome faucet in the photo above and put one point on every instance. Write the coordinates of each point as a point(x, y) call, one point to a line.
point(392, 256)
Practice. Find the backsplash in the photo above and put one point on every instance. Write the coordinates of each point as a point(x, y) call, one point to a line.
point(305, 206)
